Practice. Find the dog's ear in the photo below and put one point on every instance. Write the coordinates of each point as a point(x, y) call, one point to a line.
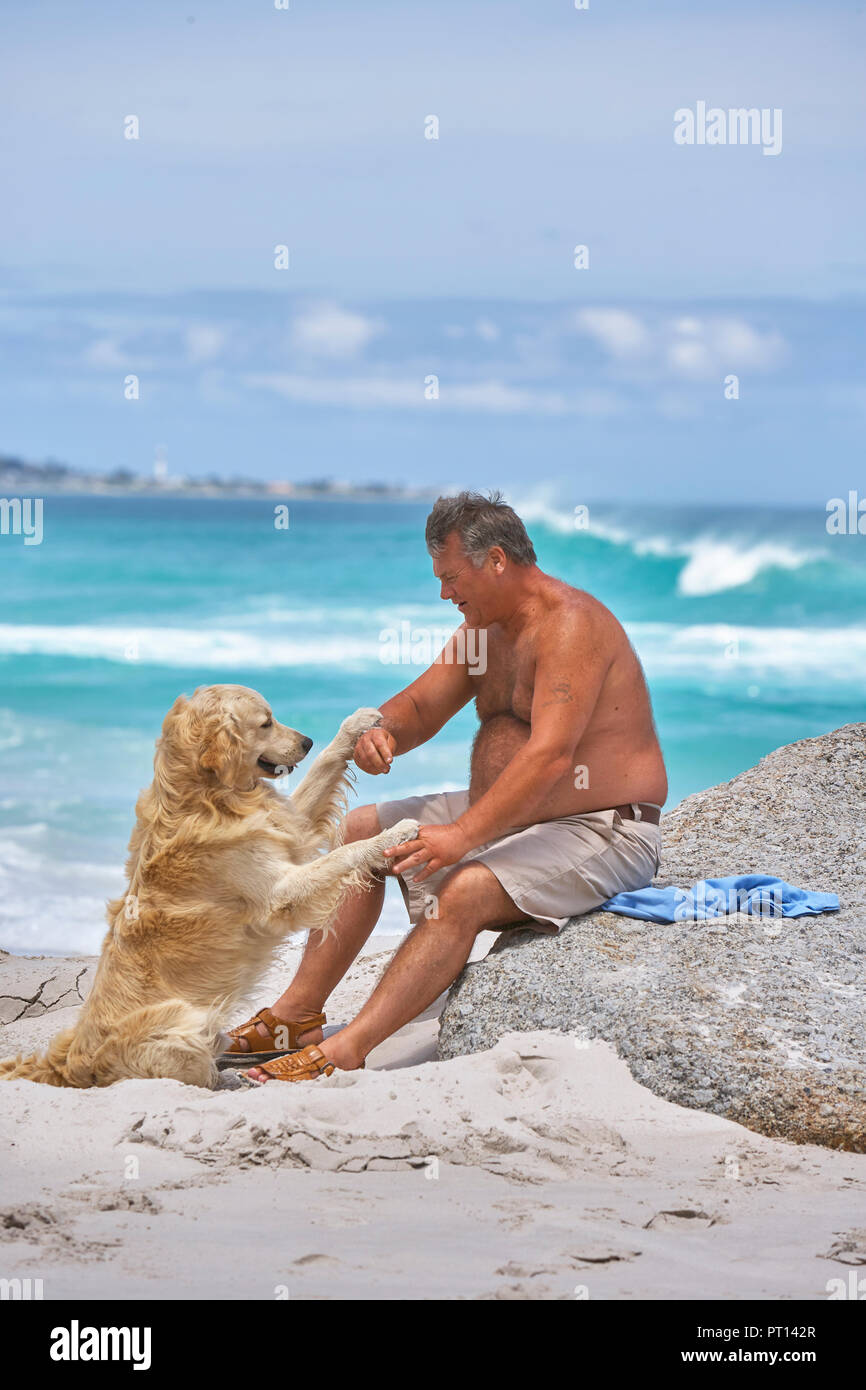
point(175, 734)
point(175, 743)
point(172, 719)
point(221, 748)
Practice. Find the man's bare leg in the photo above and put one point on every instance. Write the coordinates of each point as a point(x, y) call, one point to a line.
point(326, 959)
point(428, 961)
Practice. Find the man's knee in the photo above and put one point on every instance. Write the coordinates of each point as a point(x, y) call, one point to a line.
point(361, 823)
point(471, 899)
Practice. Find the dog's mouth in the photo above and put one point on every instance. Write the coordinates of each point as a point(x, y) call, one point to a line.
point(275, 769)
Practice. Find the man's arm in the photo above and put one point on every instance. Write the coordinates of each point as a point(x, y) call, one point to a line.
point(571, 664)
point(413, 716)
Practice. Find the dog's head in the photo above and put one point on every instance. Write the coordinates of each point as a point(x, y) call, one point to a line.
point(230, 732)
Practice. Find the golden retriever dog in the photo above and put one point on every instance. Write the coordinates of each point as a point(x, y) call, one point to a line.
point(221, 869)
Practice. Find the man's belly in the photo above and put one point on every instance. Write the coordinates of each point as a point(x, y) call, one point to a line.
point(605, 772)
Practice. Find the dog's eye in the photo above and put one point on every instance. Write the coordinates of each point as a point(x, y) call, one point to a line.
point(268, 724)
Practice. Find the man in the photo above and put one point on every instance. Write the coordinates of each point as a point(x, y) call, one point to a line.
point(566, 785)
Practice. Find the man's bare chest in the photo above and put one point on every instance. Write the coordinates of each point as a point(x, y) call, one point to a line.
point(506, 684)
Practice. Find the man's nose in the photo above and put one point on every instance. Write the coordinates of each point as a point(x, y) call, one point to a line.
point(306, 743)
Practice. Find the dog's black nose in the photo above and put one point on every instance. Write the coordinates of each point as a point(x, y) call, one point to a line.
point(306, 744)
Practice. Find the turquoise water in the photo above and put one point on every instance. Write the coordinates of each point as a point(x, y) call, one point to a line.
point(751, 626)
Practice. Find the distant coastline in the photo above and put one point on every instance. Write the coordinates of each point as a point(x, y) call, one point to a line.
point(20, 477)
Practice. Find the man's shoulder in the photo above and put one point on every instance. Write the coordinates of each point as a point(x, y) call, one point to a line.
point(567, 603)
point(574, 619)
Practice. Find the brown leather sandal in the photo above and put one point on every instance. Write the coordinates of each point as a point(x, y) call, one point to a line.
point(307, 1064)
point(263, 1049)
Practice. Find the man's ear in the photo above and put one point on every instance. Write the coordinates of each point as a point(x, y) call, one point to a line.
point(497, 558)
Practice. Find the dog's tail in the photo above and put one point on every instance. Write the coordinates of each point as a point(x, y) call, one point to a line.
point(50, 1068)
point(172, 1039)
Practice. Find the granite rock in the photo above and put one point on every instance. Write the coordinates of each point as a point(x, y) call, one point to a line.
point(759, 1019)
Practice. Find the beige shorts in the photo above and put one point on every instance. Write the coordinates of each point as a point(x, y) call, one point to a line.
point(553, 870)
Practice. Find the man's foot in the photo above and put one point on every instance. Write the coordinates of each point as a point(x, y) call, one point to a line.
point(309, 1063)
point(271, 1031)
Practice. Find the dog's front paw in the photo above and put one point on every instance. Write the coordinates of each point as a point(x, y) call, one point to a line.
point(358, 723)
point(398, 834)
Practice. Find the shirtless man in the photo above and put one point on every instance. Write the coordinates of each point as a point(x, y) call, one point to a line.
point(566, 785)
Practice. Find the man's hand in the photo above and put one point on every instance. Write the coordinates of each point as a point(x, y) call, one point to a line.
point(374, 751)
point(437, 846)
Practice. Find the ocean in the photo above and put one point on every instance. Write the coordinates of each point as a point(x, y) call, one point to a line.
point(751, 625)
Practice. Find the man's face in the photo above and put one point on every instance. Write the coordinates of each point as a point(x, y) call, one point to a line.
point(469, 587)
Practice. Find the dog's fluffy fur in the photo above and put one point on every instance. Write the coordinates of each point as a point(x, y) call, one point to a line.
point(221, 868)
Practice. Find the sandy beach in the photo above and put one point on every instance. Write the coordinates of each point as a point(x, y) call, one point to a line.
point(537, 1169)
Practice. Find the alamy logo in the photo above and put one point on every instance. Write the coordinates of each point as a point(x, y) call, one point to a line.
point(76, 1343)
point(846, 518)
point(20, 1290)
point(22, 516)
point(425, 646)
point(703, 901)
point(737, 126)
point(855, 1290)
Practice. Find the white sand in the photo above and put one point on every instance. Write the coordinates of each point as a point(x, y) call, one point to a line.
point(539, 1169)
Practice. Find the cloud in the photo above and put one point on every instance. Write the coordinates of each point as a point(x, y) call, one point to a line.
point(492, 397)
point(168, 342)
point(713, 346)
point(688, 346)
point(355, 392)
point(495, 397)
point(749, 347)
point(105, 352)
point(622, 333)
point(326, 330)
point(487, 330)
point(204, 341)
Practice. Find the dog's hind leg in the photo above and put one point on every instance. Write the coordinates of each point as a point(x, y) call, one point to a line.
point(172, 1039)
point(322, 797)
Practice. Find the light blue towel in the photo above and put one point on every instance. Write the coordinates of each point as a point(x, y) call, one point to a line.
point(760, 894)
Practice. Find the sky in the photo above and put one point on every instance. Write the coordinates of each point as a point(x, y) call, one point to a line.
point(430, 324)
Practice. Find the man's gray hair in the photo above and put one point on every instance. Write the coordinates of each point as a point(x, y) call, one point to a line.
point(480, 522)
